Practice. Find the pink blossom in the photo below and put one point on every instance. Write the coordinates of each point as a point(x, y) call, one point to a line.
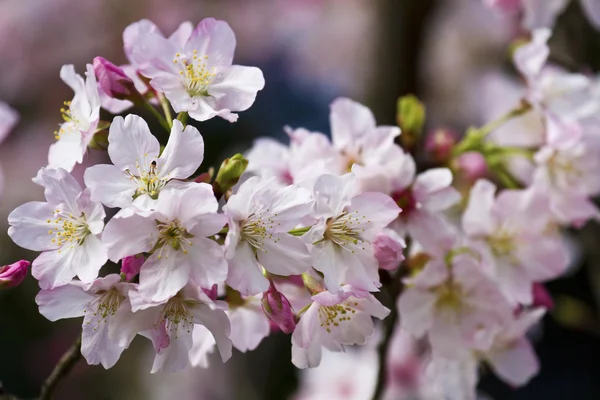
point(131, 265)
point(342, 239)
point(249, 324)
point(439, 143)
point(332, 321)
point(113, 80)
point(197, 76)
point(12, 275)
point(472, 165)
point(388, 248)
point(278, 309)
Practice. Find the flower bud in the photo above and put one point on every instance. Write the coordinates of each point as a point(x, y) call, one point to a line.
point(278, 309)
point(472, 165)
point(12, 275)
point(229, 173)
point(130, 266)
point(541, 297)
point(388, 249)
point(440, 143)
point(411, 118)
point(99, 141)
point(113, 80)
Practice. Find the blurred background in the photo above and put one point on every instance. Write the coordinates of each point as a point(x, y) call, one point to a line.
point(453, 54)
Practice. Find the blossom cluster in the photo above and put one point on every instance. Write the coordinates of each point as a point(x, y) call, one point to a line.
point(299, 237)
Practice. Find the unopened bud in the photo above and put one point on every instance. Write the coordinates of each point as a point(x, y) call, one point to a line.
point(99, 141)
point(440, 143)
point(278, 309)
point(229, 173)
point(113, 80)
point(388, 248)
point(130, 266)
point(541, 297)
point(12, 275)
point(411, 118)
point(471, 166)
point(205, 177)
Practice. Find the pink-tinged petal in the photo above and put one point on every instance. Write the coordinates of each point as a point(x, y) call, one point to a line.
point(284, 254)
point(68, 301)
point(219, 326)
point(287, 206)
point(306, 357)
point(442, 199)
point(530, 58)
point(88, 258)
point(175, 357)
point(164, 274)
point(249, 326)
point(207, 262)
point(373, 307)
point(131, 265)
point(203, 344)
point(478, 218)
point(307, 329)
point(159, 336)
point(72, 78)
point(547, 259)
point(327, 259)
point(350, 121)
point(430, 182)
point(188, 204)
point(416, 311)
point(53, 268)
point(236, 87)
point(13, 275)
point(131, 145)
point(541, 13)
point(432, 230)
point(29, 227)
point(60, 188)
point(129, 235)
point(205, 108)
point(215, 39)
point(515, 282)
point(208, 224)
point(360, 267)
point(573, 208)
point(97, 345)
point(332, 193)
point(135, 31)
point(245, 274)
point(66, 152)
point(125, 324)
point(374, 210)
point(183, 154)
point(515, 364)
point(389, 249)
point(238, 207)
point(109, 185)
point(268, 157)
point(153, 54)
point(182, 33)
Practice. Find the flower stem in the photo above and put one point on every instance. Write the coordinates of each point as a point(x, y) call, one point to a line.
point(160, 118)
point(62, 369)
point(166, 109)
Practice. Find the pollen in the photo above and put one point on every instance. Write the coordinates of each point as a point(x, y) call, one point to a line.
point(196, 75)
point(176, 316)
point(67, 229)
point(256, 230)
point(333, 316)
point(345, 230)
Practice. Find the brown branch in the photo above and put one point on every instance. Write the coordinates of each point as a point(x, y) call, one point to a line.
point(61, 370)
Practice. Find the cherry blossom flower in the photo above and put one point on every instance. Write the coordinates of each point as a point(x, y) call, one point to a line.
point(65, 229)
point(97, 302)
point(12, 275)
point(452, 300)
point(198, 76)
point(176, 236)
point(139, 173)
point(260, 215)
point(389, 249)
point(333, 321)
point(342, 239)
point(511, 232)
point(80, 115)
point(170, 324)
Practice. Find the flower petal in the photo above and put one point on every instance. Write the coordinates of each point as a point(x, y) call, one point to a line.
point(183, 154)
point(109, 185)
point(131, 145)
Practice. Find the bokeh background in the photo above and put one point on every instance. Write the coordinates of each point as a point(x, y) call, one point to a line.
point(451, 53)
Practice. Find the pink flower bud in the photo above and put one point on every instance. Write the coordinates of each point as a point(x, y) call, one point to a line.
point(113, 80)
point(507, 6)
point(12, 275)
point(278, 309)
point(472, 165)
point(213, 292)
point(440, 144)
point(388, 249)
point(130, 266)
point(541, 297)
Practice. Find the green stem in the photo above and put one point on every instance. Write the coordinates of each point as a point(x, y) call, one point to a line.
point(159, 117)
point(183, 117)
point(166, 109)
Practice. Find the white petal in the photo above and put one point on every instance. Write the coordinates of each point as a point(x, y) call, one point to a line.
point(218, 324)
point(175, 356)
point(416, 310)
point(53, 268)
point(68, 301)
point(88, 258)
point(515, 365)
point(326, 259)
point(97, 346)
point(129, 235)
point(203, 344)
point(61, 188)
point(237, 87)
point(374, 212)
point(284, 254)
point(109, 185)
point(306, 358)
point(349, 122)
point(66, 152)
point(183, 154)
point(245, 274)
point(215, 39)
point(29, 227)
point(478, 219)
point(249, 326)
point(207, 262)
point(131, 145)
point(163, 274)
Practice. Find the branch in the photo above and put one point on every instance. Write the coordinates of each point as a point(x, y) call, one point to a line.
point(62, 369)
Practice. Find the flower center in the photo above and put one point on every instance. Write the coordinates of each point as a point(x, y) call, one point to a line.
point(149, 182)
point(105, 304)
point(563, 171)
point(70, 124)
point(176, 315)
point(68, 230)
point(406, 201)
point(343, 230)
point(195, 74)
point(255, 230)
point(172, 234)
point(333, 316)
point(502, 243)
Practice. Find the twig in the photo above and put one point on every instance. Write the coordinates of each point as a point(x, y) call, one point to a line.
point(62, 369)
